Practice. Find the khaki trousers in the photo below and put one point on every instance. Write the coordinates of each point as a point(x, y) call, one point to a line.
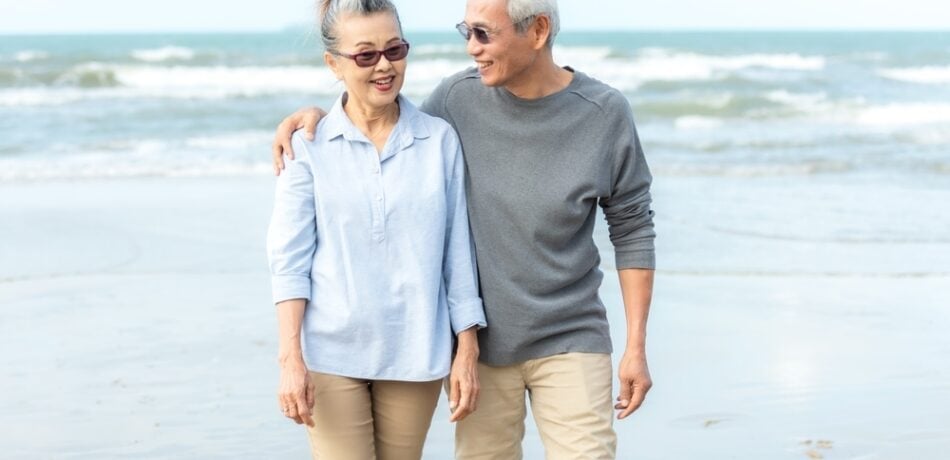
point(370, 419)
point(570, 398)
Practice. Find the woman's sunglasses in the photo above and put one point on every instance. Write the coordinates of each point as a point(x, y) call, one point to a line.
point(370, 58)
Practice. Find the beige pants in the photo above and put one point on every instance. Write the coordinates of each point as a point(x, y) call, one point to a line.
point(370, 419)
point(571, 401)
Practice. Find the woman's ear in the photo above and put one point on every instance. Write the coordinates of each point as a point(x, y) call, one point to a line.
point(332, 63)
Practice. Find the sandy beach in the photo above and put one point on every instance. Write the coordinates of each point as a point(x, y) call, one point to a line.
point(794, 317)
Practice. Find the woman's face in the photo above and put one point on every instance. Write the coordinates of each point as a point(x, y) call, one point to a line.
point(378, 85)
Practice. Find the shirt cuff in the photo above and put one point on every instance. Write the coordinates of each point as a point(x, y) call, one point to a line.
point(467, 314)
point(637, 258)
point(287, 287)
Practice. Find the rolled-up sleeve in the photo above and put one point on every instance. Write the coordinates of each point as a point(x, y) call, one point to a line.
point(627, 208)
point(291, 236)
point(458, 266)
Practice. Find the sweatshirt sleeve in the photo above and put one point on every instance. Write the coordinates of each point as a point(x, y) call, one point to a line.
point(291, 237)
point(627, 208)
point(458, 267)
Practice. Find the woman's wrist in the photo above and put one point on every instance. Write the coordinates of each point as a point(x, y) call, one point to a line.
point(290, 357)
point(468, 342)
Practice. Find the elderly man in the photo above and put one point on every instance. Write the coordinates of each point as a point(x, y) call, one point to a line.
point(543, 146)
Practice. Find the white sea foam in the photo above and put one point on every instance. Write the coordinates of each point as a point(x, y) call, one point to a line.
point(167, 53)
point(30, 56)
point(428, 50)
point(904, 114)
point(194, 82)
point(681, 64)
point(571, 55)
point(924, 75)
point(697, 123)
point(656, 64)
point(807, 103)
point(227, 154)
point(745, 170)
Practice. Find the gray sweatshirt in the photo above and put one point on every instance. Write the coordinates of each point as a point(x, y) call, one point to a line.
point(537, 169)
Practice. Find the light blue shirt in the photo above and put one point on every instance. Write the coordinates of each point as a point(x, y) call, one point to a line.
point(379, 244)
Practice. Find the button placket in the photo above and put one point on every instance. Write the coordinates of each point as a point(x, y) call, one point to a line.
point(378, 198)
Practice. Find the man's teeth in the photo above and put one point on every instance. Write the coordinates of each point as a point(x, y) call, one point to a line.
point(482, 65)
point(383, 82)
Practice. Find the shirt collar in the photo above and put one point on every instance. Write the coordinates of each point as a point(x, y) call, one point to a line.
point(409, 127)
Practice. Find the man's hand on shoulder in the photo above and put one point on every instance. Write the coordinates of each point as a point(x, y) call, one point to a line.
point(306, 119)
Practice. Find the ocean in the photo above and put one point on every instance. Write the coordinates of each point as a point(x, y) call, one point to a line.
point(716, 103)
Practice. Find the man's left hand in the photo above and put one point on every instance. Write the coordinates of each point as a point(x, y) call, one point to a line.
point(635, 382)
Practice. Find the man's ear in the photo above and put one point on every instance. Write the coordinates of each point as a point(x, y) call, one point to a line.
point(540, 31)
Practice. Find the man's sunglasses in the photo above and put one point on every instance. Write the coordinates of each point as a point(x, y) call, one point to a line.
point(396, 52)
point(480, 33)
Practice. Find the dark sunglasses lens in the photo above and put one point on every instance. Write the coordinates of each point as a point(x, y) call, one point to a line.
point(481, 35)
point(396, 53)
point(367, 59)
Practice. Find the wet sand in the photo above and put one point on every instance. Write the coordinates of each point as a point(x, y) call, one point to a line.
point(794, 317)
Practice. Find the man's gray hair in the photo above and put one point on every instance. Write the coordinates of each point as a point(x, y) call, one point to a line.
point(331, 10)
point(521, 11)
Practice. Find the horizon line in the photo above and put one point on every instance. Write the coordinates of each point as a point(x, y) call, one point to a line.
point(449, 30)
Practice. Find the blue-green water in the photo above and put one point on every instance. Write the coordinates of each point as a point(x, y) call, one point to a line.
point(706, 103)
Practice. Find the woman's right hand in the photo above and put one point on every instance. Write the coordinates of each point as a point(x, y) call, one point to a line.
point(306, 119)
point(296, 392)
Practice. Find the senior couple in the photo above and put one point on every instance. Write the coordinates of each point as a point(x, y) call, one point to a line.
point(382, 210)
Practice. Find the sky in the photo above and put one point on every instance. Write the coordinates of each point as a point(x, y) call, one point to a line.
point(69, 16)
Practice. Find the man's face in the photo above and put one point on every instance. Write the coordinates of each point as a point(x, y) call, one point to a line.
point(502, 61)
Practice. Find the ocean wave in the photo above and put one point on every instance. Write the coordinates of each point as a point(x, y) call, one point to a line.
point(571, 54)
point(195, 79)
point(10, 77)
point(894, 115)
point(92, 81)
point(88, 75)
point(225, 154)
point(924, 75)
point(747, 170)
point(686, 64)
point(693, 122)
point(438, 50)
point(654, 66)
point(30, 56)
point(167, 53)
point(801, 103)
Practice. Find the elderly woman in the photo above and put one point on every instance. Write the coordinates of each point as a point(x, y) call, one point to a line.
point(371, 257)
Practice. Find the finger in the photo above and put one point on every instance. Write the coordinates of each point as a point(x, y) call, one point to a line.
point(311, 394)
point(626, 392)
point(460, 413)
point(277, 157)
point(303, 410)
point(454, 390)
point(294, 415)
point(475, 392)
point(635, 402)
point(310, 125)
point(465, 401)
point(288, 149)
point(291, 413)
